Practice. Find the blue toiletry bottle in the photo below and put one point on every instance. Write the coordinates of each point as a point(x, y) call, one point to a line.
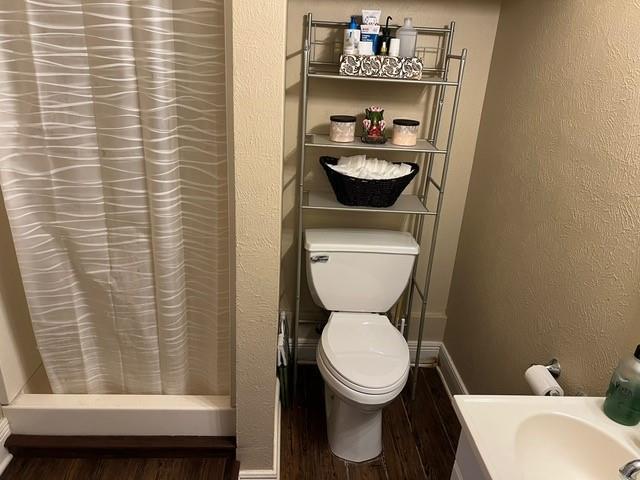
point(351, 37)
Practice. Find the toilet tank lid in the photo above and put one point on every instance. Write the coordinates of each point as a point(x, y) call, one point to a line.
point(363, 240)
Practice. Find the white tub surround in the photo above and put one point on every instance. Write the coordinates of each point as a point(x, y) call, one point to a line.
point(535, 438)
point(60, 414)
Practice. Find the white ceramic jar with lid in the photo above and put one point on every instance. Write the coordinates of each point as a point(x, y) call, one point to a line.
point(342, 128)
point(405, 132)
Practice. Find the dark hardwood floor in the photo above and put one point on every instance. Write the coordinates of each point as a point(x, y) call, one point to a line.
point(121, 458)
point(39, 468)
point(419, 436)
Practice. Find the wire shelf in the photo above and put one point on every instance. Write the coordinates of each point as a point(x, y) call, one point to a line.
point(326, 45)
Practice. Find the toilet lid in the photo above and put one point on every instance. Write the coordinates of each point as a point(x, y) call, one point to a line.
point(365, 349)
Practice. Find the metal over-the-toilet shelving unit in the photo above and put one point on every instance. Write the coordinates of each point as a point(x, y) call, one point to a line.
point(437, 75)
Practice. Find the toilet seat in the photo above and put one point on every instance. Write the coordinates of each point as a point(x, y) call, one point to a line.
point(364, 352)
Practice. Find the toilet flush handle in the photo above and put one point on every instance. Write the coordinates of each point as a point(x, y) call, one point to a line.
point(320, 259)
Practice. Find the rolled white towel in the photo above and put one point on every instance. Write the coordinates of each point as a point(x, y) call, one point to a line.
point(359, 166)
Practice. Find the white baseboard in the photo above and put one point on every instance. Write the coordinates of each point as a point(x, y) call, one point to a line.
point(428, 352)
point(5, 456)
point(274, 473)
point(431, 353)
point(449, 374)
point(258, 475)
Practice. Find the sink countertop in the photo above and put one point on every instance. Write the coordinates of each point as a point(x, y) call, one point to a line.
point(552, 431)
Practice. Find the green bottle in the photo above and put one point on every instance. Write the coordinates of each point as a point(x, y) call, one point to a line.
point(622, 404)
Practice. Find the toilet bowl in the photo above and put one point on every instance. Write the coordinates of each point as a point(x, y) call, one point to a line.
point(364, 360)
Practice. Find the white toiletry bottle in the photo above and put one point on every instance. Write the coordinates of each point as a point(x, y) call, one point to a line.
point(351, 38)
point(408, 37)
point(394, 47)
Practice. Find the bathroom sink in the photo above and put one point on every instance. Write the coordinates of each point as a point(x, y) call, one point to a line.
point(572, 448)
point(540, 438)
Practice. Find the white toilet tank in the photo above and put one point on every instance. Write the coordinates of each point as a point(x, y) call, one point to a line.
point(358, 270)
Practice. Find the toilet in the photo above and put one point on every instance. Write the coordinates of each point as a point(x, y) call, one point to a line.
point(358, 274)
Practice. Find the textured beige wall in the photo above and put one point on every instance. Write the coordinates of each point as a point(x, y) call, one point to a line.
point(19, 356)
point(549, 263)
point(257, 91)
point(476, 22)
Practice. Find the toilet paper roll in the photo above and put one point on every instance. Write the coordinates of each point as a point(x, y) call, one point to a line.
point(542, 382)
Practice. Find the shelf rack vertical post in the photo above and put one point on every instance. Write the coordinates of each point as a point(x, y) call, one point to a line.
point(418, 224)
point(300, 179)
point(434, 233)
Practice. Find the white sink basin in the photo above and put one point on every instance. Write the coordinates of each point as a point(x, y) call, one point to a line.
point(571, 448)
point(541, 438)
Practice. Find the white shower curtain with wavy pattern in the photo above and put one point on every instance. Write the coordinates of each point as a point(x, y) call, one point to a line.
point(113, 171)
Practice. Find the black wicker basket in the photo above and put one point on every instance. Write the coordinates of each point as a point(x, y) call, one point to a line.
point(357, 192)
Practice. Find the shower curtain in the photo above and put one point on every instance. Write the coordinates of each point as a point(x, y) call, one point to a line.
point(113, 171)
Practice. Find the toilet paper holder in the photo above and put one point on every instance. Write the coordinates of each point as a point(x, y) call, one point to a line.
point(553, 366)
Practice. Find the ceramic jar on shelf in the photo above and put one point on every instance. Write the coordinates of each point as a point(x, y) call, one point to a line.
point(342, 128)
point(405, 132)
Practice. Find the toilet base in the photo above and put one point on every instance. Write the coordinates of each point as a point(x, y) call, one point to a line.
point(354, 431)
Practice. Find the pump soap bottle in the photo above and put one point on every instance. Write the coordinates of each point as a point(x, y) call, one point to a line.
point(622, 404)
